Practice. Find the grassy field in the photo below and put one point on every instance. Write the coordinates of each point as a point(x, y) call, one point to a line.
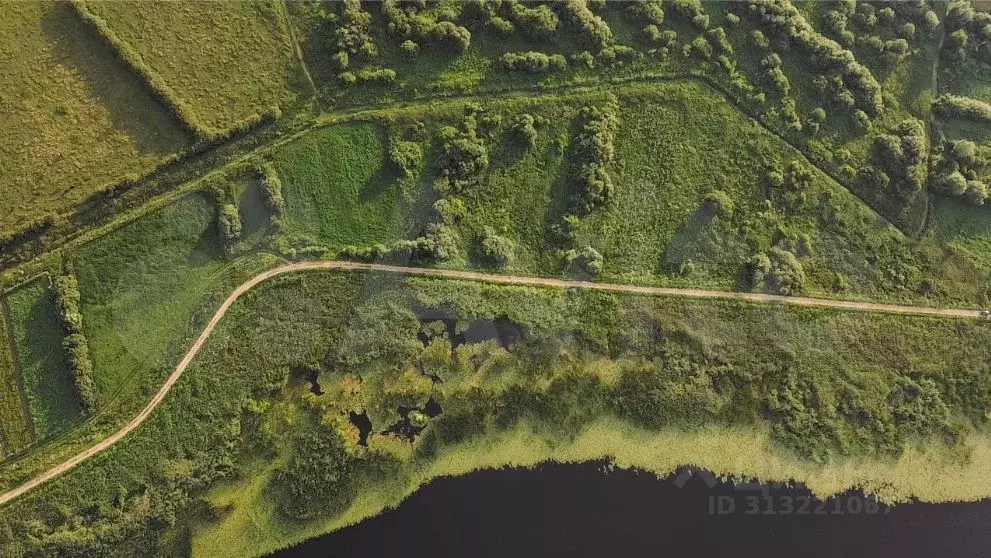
point(142, 284)
point(14, 425)
point(47, 378)
point(339, 189)
point(229, 61)
point(71, 117)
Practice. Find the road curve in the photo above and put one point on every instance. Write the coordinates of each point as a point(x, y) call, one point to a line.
point(464, 275)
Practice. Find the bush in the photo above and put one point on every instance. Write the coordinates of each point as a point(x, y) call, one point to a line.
point(272, 190)
point(498, 250)
point(525, 130)
point(406, 157)
point(380, 76)
point(229, 227)
point(779, 270)
point(74, 344)
point(585, 262)
point(593, 31)
point(353, 34)
point(719, 203)
point(501, 26)
point(410, 49)
point(593, 153)
point(539, 22)
point(963, 108)
point(533, 62)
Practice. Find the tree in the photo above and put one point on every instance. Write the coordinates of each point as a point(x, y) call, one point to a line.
point(229, 226)
point(719, 203)
point(585, 261)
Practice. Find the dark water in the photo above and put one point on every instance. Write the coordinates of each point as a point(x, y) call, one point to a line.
point(578, 511)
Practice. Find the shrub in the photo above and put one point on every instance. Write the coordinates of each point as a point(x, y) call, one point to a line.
point(501, 26)
point(539, 22)
point(272, 190)
point(533, 62)
point(410, 49)
point(353, 34)
point(406, 157)
point(719, 203)
point(498, 250)
point(593, 153)
point(593, 31)
point(964, 108)
point(585, 262)
point(229, 227)
point(319, 479)
point(779, 270)
point(379, 76)
point(525, 130)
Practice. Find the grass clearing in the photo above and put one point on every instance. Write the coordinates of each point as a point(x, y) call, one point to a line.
point(45, 373)
point(228, 60)
point(72, 118)
point(339, 189)
point(142, 284)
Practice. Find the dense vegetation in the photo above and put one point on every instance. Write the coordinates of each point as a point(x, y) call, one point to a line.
point(489, 359)
point(823, 149)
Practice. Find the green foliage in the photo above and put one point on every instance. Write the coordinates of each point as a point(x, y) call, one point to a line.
point(585, 262)
point(964, 108)
point(406, 157)
point(498, 250)
point(533, 62)
point(229, 226)
point(47, 377)
point(319, 478)
point(75, 346)
point(14, 418)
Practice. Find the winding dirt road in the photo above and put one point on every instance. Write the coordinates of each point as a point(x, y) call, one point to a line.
point(464, 275)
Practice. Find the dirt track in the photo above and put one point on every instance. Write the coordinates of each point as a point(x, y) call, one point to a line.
point(466, 275)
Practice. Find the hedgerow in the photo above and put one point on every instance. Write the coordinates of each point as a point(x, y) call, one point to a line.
point(158, 88)
point(75, 346)
point(964, 108)
point(533, 62)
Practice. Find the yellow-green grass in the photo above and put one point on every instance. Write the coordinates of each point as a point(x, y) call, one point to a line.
point(227, 60)
point(46, 375)
point(252, 527)
point(14, 424)
point(72, 119)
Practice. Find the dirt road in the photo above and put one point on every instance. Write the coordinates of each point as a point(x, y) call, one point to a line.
point(465, 275)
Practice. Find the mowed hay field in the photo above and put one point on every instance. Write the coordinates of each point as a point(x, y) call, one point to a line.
point(71, 116)
point(228, 60)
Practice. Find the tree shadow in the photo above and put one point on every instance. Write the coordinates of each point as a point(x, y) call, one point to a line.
point(684, 243)
point(131, 107)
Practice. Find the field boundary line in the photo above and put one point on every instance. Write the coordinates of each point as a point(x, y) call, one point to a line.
point(515, 280)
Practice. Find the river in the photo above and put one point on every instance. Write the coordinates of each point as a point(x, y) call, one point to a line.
point(579, 510)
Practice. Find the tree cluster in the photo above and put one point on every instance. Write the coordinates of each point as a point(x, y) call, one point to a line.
point(957, 171)
point(407, 22)
point(272, 191)
point(74, 345)
point(319, 479)
point(497, 250)
point(594, 151)
point(963, 108)
point(593, 32)
point(901, 158)
point(463, 153)
point(406, 157)
point(968, 37)
point(825, 54)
